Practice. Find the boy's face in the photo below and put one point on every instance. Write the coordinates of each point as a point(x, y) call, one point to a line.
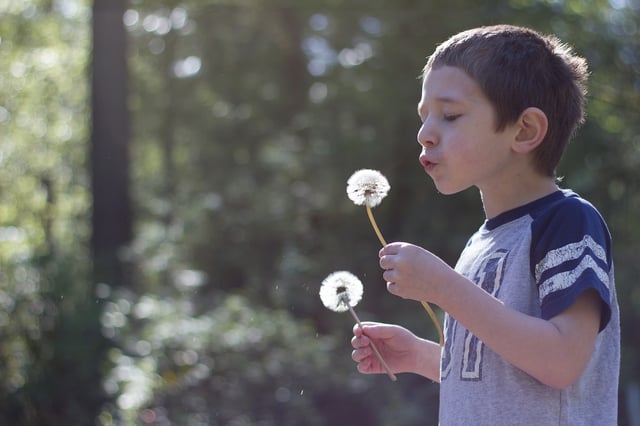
point(460, 146)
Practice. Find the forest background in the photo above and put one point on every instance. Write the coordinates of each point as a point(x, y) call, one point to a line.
point(172, 193)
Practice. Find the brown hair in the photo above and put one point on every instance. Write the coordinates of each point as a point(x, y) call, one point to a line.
point(517, 68)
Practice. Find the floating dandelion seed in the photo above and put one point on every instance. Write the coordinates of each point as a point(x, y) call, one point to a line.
point(340, 292)
point(368, 187)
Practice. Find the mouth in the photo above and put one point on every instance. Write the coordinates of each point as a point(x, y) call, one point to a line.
point(426, 164)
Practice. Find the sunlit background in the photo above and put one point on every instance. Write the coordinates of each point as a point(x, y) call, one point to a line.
point(161, 252)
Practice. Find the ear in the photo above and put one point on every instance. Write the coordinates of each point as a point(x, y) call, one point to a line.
point(532, 128)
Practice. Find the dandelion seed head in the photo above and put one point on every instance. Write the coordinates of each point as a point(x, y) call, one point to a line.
point(340, 290)
point(367, 187)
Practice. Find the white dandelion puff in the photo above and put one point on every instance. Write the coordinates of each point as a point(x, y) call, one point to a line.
point(367, 187)
point(341, 290)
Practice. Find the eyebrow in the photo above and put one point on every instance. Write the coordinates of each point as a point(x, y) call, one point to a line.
point(442, 100)
point(448, 100)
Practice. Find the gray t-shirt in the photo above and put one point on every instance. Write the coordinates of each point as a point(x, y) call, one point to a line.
point(537, 259)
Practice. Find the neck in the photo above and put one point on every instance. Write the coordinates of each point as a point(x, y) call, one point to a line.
point(514, 194)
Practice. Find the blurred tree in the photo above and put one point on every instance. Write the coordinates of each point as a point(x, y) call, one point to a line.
point(111, 207)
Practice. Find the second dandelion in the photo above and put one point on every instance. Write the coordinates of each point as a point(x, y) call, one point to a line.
point(340, 292)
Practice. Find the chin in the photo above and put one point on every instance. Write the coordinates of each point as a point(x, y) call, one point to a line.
point(446, 192)
point(445, 189)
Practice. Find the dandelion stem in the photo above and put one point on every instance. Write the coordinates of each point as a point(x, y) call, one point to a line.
point(426, 306)
point(434, 319)
point(373, 346)
point(375, 226)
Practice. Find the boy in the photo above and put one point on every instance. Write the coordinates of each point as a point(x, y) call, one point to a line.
point(532, 323)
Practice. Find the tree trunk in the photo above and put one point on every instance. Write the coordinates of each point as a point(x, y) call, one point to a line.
point(109, 155)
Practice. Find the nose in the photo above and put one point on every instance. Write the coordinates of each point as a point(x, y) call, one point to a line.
point(426, 134)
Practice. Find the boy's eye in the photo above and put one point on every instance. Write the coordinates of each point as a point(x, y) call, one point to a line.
point(451, 117)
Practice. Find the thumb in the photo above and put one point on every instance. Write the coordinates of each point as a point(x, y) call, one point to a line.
point(374, 330)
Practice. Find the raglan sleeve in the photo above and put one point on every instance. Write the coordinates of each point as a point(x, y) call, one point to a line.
point(571, 253)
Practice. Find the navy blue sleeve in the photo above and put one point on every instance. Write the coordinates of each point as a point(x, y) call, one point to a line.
point(571, 253)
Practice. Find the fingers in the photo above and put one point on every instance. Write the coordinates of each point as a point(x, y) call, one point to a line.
point(373, 331)
point(368, 361)
point(361, 350)
point(386, 262)
point(363, 355)
point(360, 354)
point(370, 328)
point(357, 330)
point(389, 255)
point(361, 341)
point(389, 249)
point(390, 276)
point(362, 338)
point(365, 364)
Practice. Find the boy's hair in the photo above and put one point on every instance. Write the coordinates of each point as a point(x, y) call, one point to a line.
point(519, 68)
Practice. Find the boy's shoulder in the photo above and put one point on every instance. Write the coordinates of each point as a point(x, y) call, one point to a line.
point(565, 213)
point(559, 224)
point(560, 209)
point(567, 201)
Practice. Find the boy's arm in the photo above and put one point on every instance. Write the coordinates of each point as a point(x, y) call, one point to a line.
point(554, 351)
point(428, 360)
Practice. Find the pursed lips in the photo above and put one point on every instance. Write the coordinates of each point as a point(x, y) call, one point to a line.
point(426, 163)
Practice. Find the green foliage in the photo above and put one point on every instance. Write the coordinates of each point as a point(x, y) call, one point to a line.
point(51, 351)
point(51, 369)
point(235, 364)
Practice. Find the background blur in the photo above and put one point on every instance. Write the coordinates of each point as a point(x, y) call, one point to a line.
point(172, 193)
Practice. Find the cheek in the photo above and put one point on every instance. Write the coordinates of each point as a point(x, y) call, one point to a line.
point(459, 147)
point(469, 145)
point(465, 156)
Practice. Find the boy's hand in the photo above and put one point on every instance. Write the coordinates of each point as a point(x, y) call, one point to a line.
point(402, 350)
point(393, 342)
point(412, 272)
